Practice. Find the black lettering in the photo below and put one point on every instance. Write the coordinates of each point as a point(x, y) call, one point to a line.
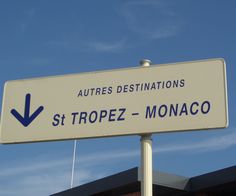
point(168, 84)
point(109, 90)
point(175, 83)
point(182, 83)
point(92, 90)
point(125, 88)
point(74, 114)
point(86, 92)
point(80, 93)
point(56, 119)
point(131, 88)
point(151, 113)
point(205, 107)
point(119, 89)
point(146, 86)
point(103, 114)
point(165, 110)
point(98, 91)
point(93, 116)
point(184, 110)
point(191, 108)
point(173, 109)
point(83, 116)
point(153, 86)
point(120, 117)
point(104, 90)
point(112, 114)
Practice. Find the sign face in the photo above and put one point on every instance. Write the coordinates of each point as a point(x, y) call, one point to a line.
point(171, 97)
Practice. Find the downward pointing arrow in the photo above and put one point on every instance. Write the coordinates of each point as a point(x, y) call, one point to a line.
point(27, 118)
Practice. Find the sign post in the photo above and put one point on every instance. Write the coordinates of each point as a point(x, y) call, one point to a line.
point(146, 155)
point(146, 165)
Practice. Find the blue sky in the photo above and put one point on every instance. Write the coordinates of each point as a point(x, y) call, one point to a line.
point(44, 38)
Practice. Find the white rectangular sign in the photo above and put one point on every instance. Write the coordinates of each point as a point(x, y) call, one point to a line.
point(171, 97)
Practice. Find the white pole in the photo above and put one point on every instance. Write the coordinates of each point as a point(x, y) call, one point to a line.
point(146, 156)
point(146, 165)
point(73, 165)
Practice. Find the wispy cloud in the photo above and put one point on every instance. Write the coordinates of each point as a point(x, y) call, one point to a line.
point(138, 22)
point(151, 19)
point(54, 175)
point(36, 184)
point(28, 167)
point(42, 178)
point(28, 19)
point(46, 182)
point(208, 145)
point(111, 47)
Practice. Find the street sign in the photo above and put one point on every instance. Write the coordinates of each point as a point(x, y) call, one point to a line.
point(172, 97)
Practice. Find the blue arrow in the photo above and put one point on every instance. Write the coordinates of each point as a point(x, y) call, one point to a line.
point(27, 119)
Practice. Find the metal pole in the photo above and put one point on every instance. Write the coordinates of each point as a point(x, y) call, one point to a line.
point(73, 165)
point(146, 155)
